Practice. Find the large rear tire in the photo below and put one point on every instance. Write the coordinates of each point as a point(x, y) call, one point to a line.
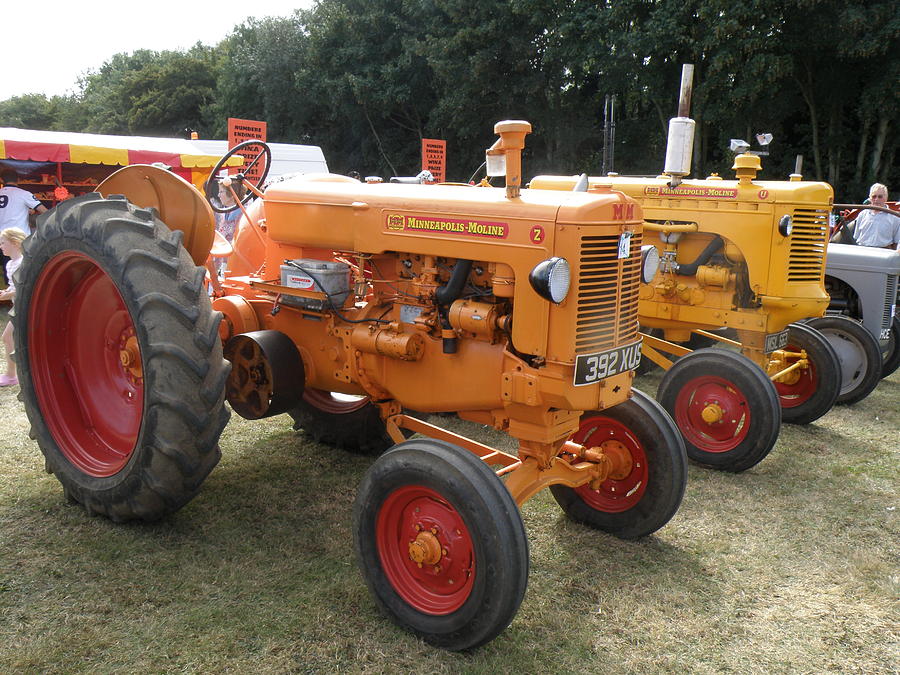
point(120, 361)
point(813, 391)
point(725, 407)
point(640, 503)
point(440, 543)
point(858, 353)
point(351, 423)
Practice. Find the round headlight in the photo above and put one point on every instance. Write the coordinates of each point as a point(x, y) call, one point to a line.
point(551, 278)
point(785, 226)
point(649, 262)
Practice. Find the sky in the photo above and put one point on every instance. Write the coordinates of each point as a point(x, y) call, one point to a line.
point(48, 45)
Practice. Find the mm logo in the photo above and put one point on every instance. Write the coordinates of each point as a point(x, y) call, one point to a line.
point(623, 211)
point(396, 222)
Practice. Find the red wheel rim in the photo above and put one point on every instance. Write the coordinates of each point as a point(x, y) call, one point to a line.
point(614, 495)
point(413, 513)
point(798, 393)
point(727, 411)
point(85, 364)
point(337, 404)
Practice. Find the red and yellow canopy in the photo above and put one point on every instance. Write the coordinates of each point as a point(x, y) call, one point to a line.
point(64, 146)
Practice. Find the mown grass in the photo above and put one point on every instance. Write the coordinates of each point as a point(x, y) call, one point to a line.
point(790, 567)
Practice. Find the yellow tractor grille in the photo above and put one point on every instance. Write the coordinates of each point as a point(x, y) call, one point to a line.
point(607, 293)
point(808, 242)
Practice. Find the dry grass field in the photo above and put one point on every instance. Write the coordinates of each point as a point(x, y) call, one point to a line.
point(790, 567)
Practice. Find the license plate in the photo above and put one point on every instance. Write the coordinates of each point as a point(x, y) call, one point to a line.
point(625, 245)
point(776, 341)
point(590, 368)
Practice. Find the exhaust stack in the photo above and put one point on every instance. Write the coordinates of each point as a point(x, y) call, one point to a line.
point(680, 144)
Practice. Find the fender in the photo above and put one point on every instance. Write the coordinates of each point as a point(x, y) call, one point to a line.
point(180, 205)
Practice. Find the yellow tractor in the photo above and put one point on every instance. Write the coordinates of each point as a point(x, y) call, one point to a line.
point(349, 305)
point(747, 255)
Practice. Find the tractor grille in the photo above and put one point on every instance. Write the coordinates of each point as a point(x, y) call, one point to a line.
point(890, 299)
point(808, 242)
point(607, 294)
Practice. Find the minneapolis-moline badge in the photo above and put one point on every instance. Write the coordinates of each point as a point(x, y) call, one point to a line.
point(396, 222)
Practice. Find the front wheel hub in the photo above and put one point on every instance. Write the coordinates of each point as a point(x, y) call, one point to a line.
point(782, 360)
point(425, 549)
point(620, 460)
point(712, 413)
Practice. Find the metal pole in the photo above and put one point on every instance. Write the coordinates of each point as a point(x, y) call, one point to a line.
point(605, 135)
point(612, 133)
point(687, 83)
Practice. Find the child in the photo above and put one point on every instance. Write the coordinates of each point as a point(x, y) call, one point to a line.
point(11, 244)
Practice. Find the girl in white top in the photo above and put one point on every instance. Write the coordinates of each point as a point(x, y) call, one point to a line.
point(11, 244)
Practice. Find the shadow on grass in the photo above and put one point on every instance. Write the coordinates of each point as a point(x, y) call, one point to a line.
point(259, 566)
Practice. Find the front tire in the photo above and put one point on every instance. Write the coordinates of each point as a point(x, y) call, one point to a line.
point(812, 392)
point(858, 353)
point(891, 358)
point(646, 499)
point(725, 407)
point(440, 543)
point(121, 365)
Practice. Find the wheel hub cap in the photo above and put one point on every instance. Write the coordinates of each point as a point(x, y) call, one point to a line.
point(621, 462)
point(712, 413)
point(425, 549)
point(130, 356)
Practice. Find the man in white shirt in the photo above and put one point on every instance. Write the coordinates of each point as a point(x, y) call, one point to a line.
point(877, 228)
point(16, 204)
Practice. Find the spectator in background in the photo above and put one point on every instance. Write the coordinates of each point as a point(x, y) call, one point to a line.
point(11, 239)
point(877, 228)
point(16, 204)
point(226, 224)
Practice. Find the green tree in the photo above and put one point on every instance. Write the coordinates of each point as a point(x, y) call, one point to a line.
point(150, 93)
point(257, 66)
point(31, 111)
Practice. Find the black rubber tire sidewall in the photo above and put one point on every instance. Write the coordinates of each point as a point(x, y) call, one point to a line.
point(864, 341)
point(746, 376)
point(493, 521)
point(184, 372)
point(360, 430)
point(667, 473)
point(891, 358)
point(827, 366)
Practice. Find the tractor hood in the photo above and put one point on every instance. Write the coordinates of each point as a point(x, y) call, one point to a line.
point(862, 259)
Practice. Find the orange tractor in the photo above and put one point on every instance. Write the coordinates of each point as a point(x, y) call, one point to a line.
point(350, 306)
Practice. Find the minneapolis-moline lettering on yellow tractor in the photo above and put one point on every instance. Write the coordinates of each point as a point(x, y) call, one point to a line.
point(355, 308)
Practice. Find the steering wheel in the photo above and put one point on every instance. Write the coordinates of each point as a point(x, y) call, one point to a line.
point(211, 187)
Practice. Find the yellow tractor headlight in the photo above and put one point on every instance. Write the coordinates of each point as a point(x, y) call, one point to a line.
point(649, 262)
point(785, 226)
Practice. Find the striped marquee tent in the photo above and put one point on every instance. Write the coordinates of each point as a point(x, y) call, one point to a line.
point(61, 147)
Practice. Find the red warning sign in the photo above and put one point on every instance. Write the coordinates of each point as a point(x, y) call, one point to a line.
point(434, 158)
point(246, 130)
